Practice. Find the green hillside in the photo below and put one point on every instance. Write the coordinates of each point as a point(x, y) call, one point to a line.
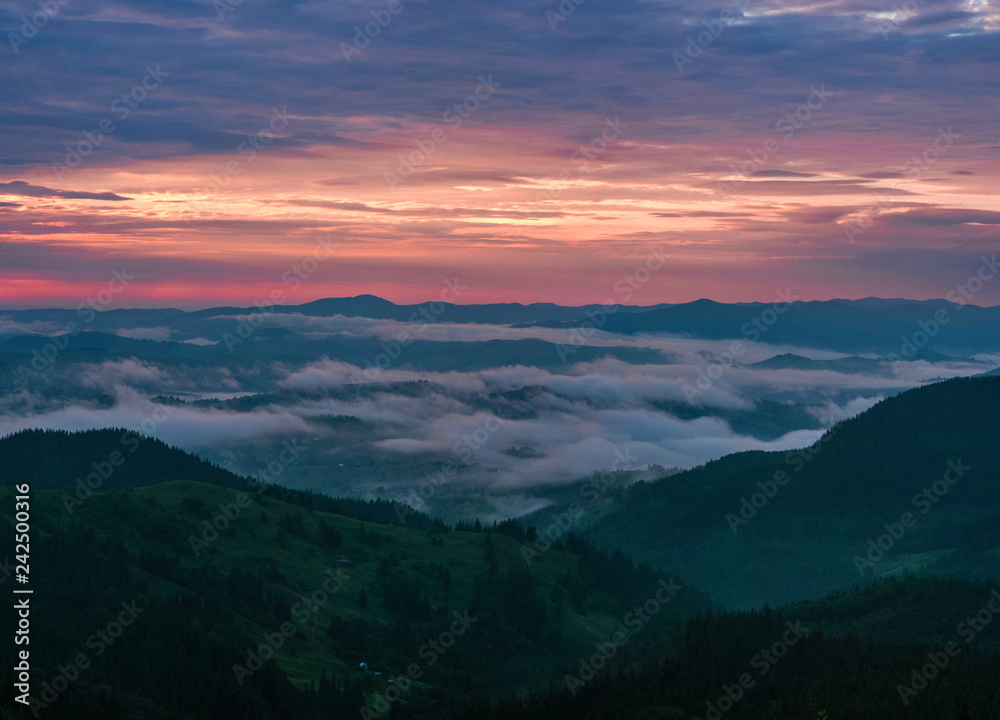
point(922, 655)
point(758, 527)
point(462, 609)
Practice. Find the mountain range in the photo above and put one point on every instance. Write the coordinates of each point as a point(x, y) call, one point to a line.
point(875, 542)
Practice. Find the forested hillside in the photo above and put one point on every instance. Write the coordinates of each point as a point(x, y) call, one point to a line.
point(921, 655)
point(205, 596)
point(758, 527)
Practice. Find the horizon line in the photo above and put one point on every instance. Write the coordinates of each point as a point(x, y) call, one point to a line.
point(7, 307)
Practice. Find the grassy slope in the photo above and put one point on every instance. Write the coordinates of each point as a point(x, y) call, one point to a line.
point(303, 563)
point(158, 519)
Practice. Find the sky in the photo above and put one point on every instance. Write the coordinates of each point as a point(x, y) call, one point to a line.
point(222, 152)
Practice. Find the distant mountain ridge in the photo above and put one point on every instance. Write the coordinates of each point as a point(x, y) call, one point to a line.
point(846, 326)
point(857, 326)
